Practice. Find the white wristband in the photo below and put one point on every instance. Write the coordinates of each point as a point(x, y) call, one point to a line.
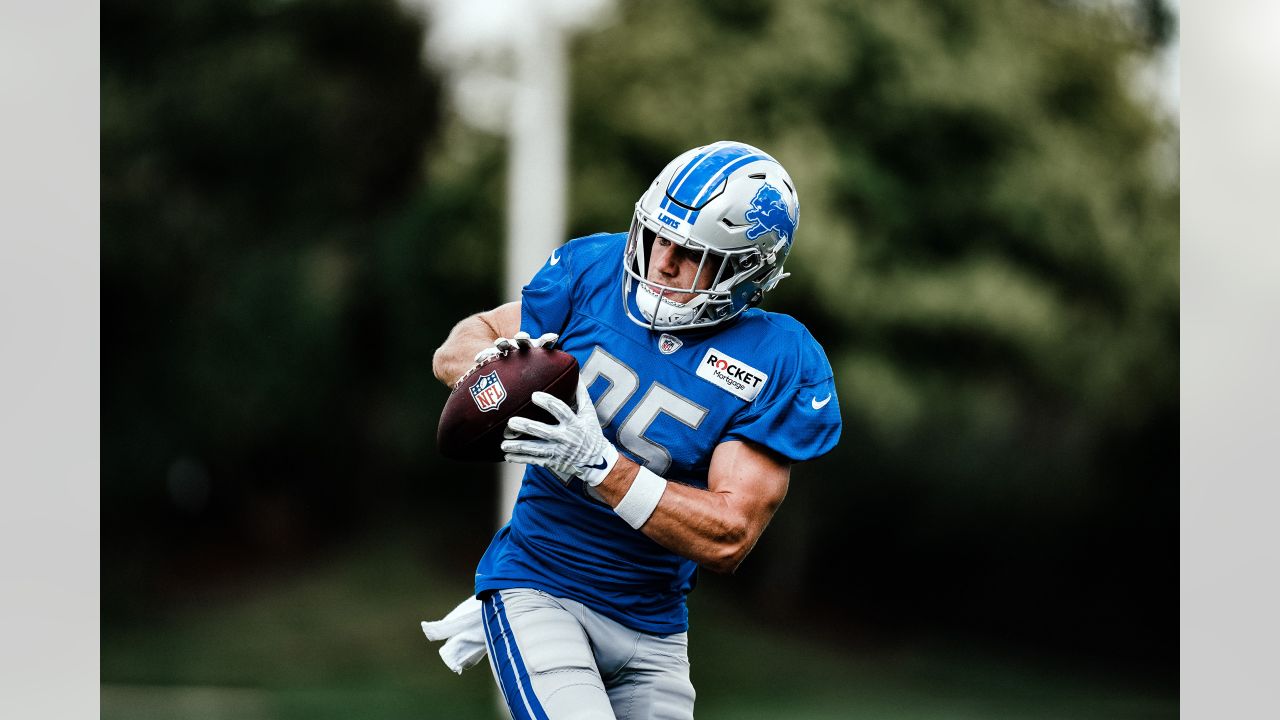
point(641, 499)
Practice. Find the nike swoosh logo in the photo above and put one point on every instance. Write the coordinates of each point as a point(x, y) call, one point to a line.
point(555, 258)
point(601, 466)
point(818, 405)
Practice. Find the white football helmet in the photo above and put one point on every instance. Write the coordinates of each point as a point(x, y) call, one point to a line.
point(735, 205)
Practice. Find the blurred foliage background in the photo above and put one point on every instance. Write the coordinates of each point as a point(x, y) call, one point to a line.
point(292, 219)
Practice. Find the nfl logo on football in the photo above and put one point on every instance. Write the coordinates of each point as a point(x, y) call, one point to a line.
point(488, 392)
point(668, 344)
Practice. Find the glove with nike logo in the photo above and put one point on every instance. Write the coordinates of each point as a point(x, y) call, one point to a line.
point(574, 446)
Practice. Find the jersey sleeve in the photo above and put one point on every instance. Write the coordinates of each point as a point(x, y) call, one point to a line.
point(546, 302)
point(800, 418)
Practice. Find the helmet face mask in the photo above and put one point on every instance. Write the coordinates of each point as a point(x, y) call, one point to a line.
point(671, 306)
point(734, 208)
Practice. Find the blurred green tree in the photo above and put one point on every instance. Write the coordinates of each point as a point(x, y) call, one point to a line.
point(262, 163)
point(988, 250)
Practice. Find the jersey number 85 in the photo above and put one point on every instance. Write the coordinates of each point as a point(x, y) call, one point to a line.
point(658, 399)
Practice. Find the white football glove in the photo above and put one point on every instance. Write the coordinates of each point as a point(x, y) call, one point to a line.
point(520, 340)
point(574, 446)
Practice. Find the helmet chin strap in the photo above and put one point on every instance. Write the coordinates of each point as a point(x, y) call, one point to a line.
point(773, 281)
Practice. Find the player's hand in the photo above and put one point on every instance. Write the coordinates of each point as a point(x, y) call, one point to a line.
point(519, 340)
point(574, 446)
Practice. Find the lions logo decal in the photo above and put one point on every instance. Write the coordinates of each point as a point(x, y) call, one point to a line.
point(769, 212)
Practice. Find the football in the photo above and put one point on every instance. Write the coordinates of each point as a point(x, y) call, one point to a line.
point(496, 390)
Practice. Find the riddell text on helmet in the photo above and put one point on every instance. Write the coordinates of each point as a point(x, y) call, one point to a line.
point(731, 374)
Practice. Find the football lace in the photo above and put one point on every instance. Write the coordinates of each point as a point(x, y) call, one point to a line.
point(460, 381)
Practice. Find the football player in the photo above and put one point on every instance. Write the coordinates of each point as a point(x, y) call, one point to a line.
point(692, 406)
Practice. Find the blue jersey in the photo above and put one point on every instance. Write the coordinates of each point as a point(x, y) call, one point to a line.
point(666, 400)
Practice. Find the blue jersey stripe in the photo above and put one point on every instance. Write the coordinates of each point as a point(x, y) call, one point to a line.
point(524, 685)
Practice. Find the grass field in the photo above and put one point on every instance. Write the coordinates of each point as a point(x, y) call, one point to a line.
point(341, 640)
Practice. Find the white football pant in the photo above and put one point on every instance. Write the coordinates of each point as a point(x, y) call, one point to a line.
point(556, 659)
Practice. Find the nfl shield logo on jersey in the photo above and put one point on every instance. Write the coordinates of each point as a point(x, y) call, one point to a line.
point(668, 344)
point(488, 392)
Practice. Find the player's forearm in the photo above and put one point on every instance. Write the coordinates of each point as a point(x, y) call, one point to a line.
point(703, 526)
point(457, 354)
point(455, 357)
